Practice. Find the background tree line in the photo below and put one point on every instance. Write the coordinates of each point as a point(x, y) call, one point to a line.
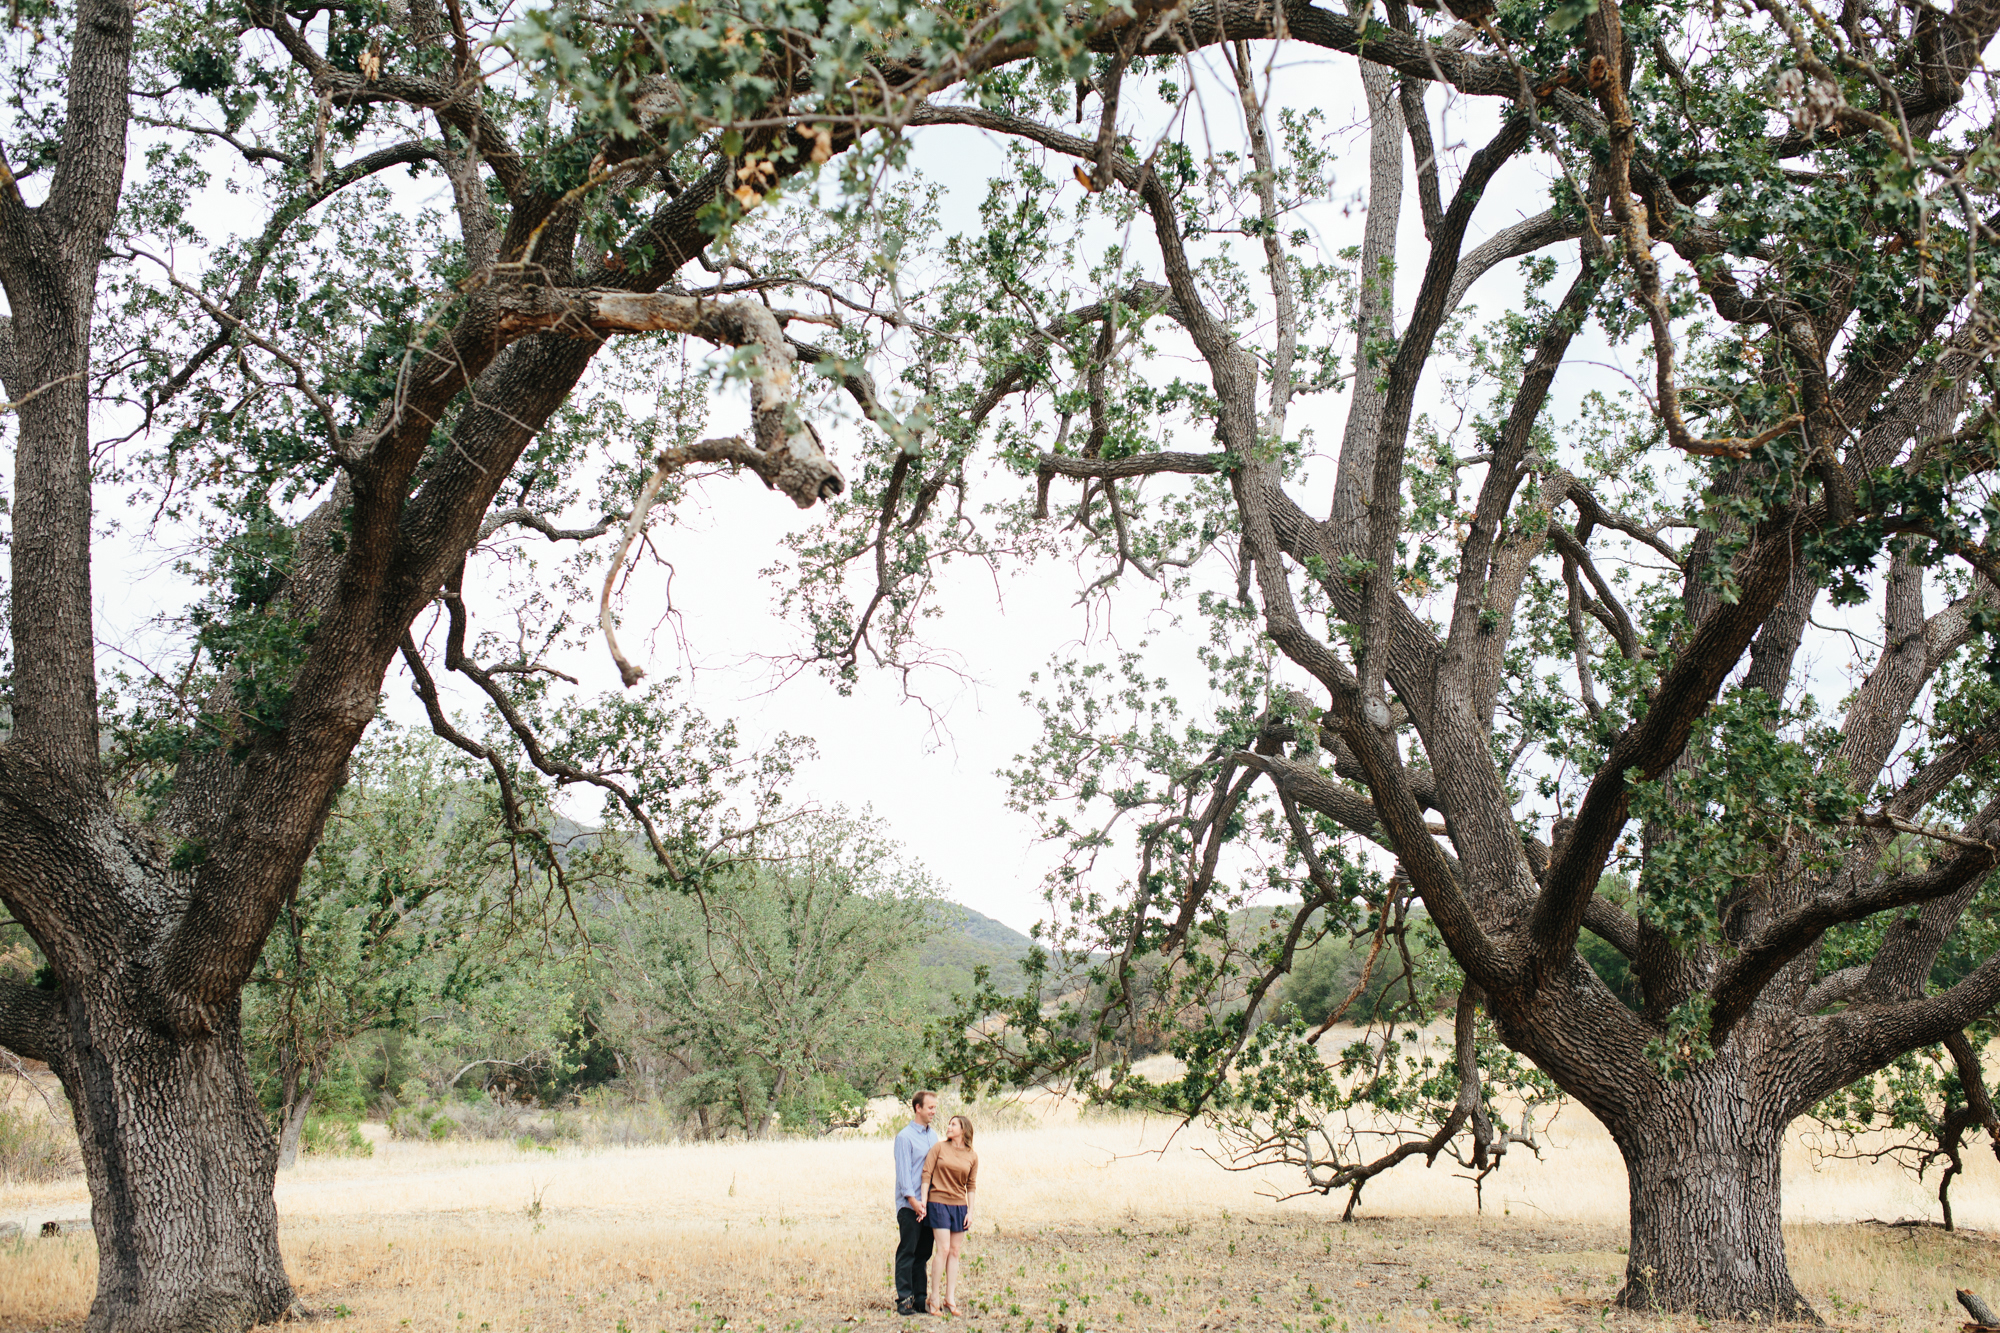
point(437, 965)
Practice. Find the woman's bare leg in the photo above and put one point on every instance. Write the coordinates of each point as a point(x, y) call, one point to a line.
point(940, 1265)
point(951, 1272)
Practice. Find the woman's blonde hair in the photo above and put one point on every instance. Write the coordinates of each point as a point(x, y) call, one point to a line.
point(966, 1121)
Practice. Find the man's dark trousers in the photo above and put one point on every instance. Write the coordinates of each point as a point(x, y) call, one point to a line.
point(913, 1257)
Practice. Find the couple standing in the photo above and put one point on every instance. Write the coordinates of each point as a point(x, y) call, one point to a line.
point(935, 1179)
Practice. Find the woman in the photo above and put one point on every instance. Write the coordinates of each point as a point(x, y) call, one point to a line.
point(951, 1174)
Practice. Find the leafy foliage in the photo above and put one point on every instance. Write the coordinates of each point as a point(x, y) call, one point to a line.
point(413, 917)
point(785, 990)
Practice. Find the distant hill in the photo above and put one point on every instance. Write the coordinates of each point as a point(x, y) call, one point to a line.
point(985, 929)
point(971, 940)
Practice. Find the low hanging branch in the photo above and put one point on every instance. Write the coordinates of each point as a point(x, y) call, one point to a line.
point(1323, 1143)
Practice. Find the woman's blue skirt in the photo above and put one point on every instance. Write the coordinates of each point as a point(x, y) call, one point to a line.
point(946, 1216)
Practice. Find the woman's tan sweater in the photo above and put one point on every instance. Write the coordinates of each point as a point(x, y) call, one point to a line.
point(951, 1173)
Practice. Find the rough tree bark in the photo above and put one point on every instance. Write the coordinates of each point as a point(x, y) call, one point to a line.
point(180, 1161)
point(1703, 1161)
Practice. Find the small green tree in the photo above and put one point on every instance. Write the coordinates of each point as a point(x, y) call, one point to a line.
point(787, 987)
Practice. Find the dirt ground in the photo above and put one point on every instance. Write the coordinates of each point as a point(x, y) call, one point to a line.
point(1084, 1228)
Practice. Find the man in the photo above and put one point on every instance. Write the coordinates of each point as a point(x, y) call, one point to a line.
point(913, 1240)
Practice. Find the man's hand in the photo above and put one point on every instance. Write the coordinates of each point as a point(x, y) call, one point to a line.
point(917, 1207)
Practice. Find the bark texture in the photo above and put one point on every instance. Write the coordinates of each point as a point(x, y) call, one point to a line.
point(181, 1162)
point(1704, 1176)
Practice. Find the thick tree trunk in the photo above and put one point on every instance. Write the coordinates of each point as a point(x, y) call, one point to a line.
point(180, 1164)
point(1703, 1162)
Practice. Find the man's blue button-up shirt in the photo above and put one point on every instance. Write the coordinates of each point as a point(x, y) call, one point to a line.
point(913, 1144)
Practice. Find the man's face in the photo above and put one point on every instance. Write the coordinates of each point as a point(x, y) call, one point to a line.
point(924, 1110)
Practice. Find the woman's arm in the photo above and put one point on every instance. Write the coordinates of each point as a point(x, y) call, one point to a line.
point(930, 1164)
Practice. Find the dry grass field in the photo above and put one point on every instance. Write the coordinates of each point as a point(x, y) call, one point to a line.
point(1085, 1225)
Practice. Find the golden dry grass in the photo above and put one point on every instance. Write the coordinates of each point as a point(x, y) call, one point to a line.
point(1091, 1224)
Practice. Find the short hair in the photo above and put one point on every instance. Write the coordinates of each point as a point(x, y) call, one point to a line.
point(918, 1100)
point(964, 1121)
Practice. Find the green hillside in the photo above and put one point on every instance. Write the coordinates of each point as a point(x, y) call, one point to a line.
point(971, 940)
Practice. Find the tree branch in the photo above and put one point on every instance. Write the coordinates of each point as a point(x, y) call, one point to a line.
point(1606, 607)
point(1743, 976)
point(1928, 782)
point(1863, 1038)
point(1413, 350)
point(457, 102)
point(456, 659)
point(1838, 988)
point(90, 164)
point(1430, 204)
point(1972, 1079)
point(1050, 466)
point(784, 451)
point(1374, 312)
point(1653, 742)
point(240, 301)
point(29, 1018)
point(1523, 238)
point(1492, 562)
point(528, 518)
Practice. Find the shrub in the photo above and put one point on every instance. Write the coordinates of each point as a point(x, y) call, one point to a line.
point(601, 1119)
point(475, 1118)
point(34, 1148)
point(420, 1122)
point(334, 1136)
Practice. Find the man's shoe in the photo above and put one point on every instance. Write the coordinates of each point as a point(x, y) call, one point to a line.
point(905, 1306)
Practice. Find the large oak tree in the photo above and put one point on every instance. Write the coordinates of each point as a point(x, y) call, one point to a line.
point(1789, 219)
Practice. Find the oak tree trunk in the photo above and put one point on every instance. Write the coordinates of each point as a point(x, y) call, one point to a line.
point(180, 1163)
point(1703, 1162)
